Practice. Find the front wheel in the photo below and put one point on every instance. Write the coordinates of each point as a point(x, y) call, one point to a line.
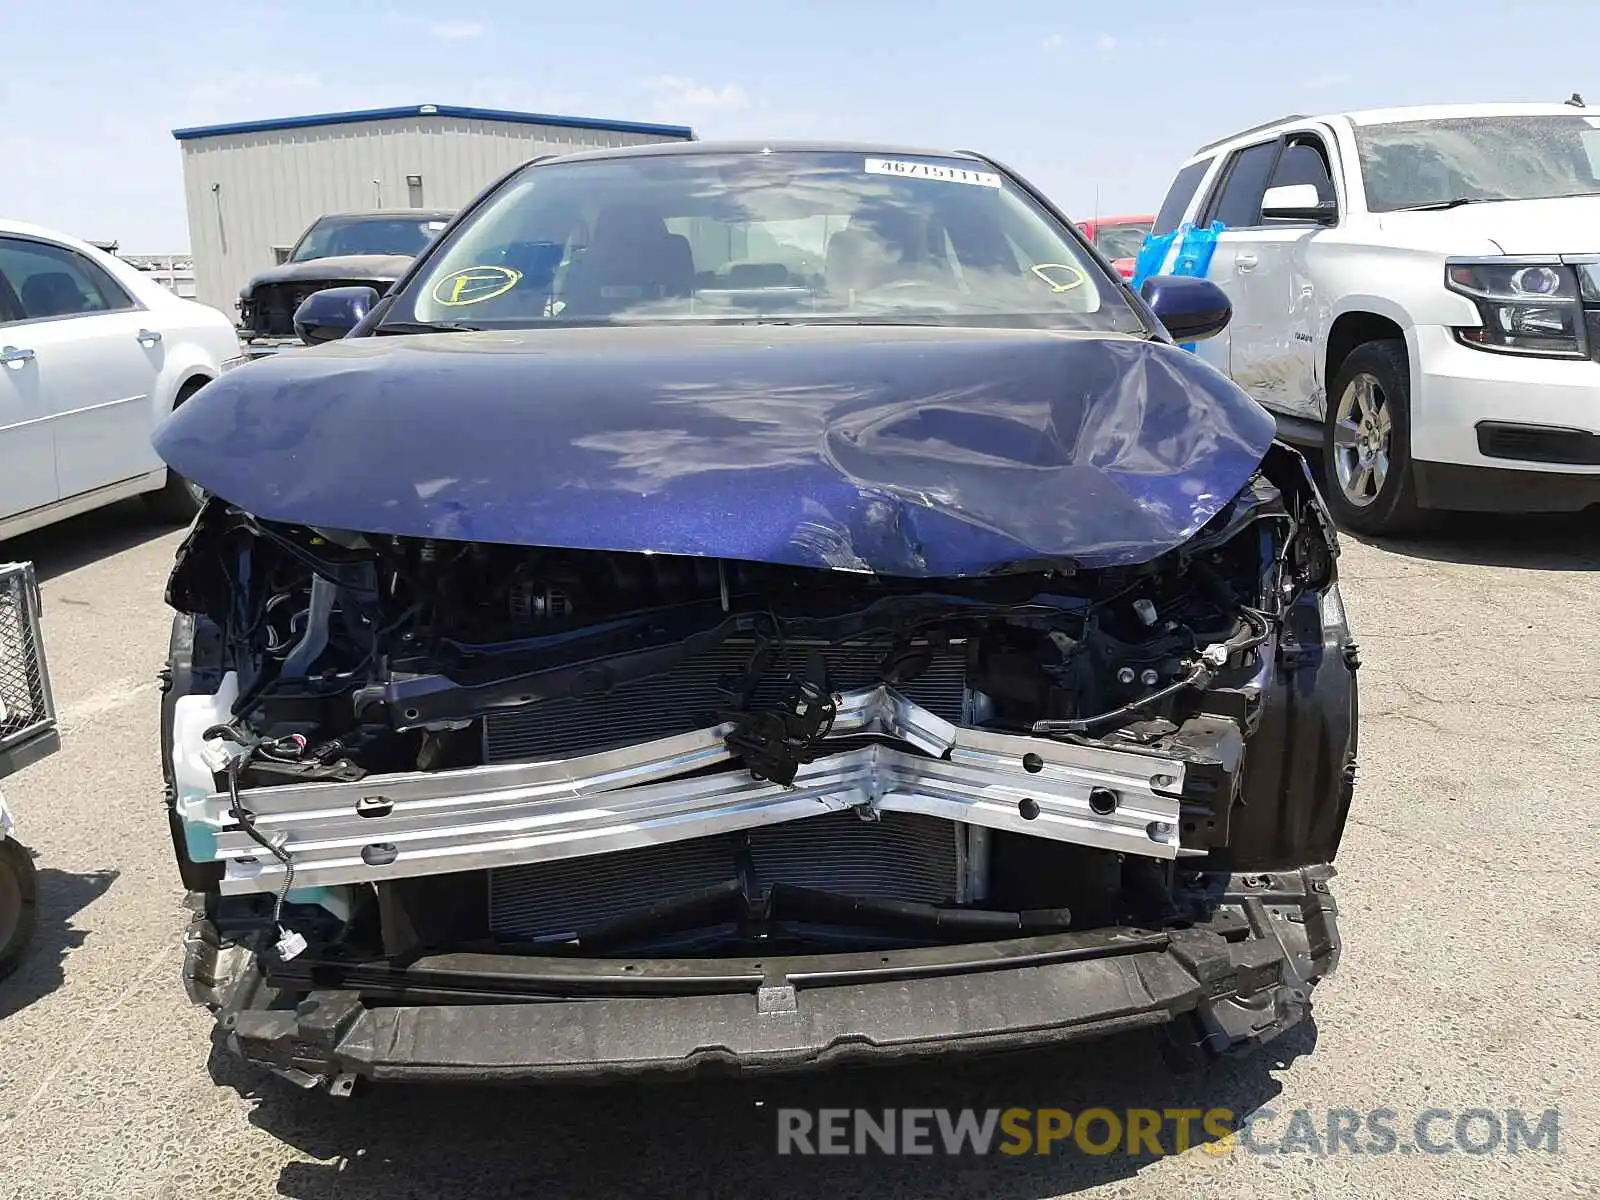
point(19, 898)
point(1366, 442)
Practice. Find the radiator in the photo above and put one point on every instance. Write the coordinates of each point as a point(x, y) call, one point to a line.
point(692, 694)
point(898, 857)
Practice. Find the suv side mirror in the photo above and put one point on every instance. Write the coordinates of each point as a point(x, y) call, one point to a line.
point(1190, 309)
point(328, 315)
point(1297, 202)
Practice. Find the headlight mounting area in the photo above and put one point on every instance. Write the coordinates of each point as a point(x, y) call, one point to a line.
point(1541, 307)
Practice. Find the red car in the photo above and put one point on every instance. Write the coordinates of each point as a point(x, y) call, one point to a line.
point(1119, 239)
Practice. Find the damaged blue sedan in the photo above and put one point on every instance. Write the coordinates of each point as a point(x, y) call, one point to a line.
point(749, 607)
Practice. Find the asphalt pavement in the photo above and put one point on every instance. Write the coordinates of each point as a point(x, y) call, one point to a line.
point(1467, 887)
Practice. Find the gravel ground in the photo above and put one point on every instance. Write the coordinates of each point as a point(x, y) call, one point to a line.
point(1466, 884)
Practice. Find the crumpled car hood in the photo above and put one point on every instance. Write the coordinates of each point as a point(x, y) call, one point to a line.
point(910, 451)
point(382, 267)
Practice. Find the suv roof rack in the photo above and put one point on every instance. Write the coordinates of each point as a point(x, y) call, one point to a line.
point(1253, 129)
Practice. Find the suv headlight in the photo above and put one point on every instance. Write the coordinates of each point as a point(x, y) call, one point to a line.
point(1527, 307)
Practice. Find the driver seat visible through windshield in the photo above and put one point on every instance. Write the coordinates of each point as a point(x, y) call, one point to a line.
point(630, 258)
point(881, 248)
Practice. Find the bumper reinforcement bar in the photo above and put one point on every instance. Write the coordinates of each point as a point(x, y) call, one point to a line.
point(398, 826)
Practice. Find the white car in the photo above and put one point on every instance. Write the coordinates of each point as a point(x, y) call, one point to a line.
point(1416, 295)
point(93, 354)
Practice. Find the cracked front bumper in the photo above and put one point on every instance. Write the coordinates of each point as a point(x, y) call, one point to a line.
point(1232, 982)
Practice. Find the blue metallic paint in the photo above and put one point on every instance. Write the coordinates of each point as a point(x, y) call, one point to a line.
point(909, 451)
point(330, 314)
point(1191, 310)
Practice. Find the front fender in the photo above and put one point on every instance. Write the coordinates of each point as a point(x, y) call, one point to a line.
point(1404, 285)
point(1299, 774)
point(183, 363)
point(188, 355)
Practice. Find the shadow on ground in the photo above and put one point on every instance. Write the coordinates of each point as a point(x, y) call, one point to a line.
point(1537, 542)
point(61, 895)
point(719, 1138)
point(66, 546)
point(1554, 542)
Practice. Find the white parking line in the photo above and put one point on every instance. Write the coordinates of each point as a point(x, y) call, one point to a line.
point(30, 1106)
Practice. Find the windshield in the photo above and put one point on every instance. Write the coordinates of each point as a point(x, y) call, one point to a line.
point(334, 236)
point(1121, 241)
point(789, 236)
point(1412, 163)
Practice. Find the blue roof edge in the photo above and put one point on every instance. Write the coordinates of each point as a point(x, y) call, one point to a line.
point(432, 110)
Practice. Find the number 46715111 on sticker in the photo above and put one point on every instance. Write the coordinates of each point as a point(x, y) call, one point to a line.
point(925, 170)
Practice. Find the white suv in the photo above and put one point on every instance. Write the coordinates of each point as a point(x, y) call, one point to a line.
point(1416, 295)
point(93, 355)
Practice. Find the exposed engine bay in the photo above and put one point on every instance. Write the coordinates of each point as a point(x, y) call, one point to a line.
point(423, 772)
point(601, 752)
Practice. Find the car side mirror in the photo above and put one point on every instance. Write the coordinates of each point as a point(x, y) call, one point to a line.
point(1298, 202)
point(328, 315)
point(1191, 310)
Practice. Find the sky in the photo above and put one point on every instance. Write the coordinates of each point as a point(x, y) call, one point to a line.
point(1095, 103)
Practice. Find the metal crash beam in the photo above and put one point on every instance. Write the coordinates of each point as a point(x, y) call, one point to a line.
point(418, 823)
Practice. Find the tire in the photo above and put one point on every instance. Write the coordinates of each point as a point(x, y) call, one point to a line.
point(19, 904)
point(178, 500)
point(1366, 443)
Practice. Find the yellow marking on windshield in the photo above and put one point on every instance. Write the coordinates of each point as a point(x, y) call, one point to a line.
point(474, 285)
point(1079, 278)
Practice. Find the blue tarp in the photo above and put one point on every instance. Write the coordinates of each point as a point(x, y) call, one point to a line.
point(1184, 251)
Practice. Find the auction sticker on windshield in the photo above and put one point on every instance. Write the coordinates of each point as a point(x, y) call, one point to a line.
point(474, 285)
point(922, 170)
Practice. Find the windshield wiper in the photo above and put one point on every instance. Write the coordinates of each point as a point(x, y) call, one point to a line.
point(1441, 205)
point(425, 327)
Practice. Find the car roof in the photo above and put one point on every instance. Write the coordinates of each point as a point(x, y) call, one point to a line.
point(1441, 112)
point(26, 229)
point(1384, 116)
point(1141, 219)
point(421, 214)
point(675, 149)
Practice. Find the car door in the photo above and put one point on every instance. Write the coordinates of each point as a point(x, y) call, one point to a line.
point(1285, 288)
point(92, 361)
point(1263, 265)
point(1245, 254)
point(27, 441)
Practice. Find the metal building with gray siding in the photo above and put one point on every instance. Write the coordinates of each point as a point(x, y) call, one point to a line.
point(252, 188)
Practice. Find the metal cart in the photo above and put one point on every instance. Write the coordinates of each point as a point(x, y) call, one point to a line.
point(27, 733)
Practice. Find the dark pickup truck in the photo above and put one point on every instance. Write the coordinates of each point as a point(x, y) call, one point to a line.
point(366, 249)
